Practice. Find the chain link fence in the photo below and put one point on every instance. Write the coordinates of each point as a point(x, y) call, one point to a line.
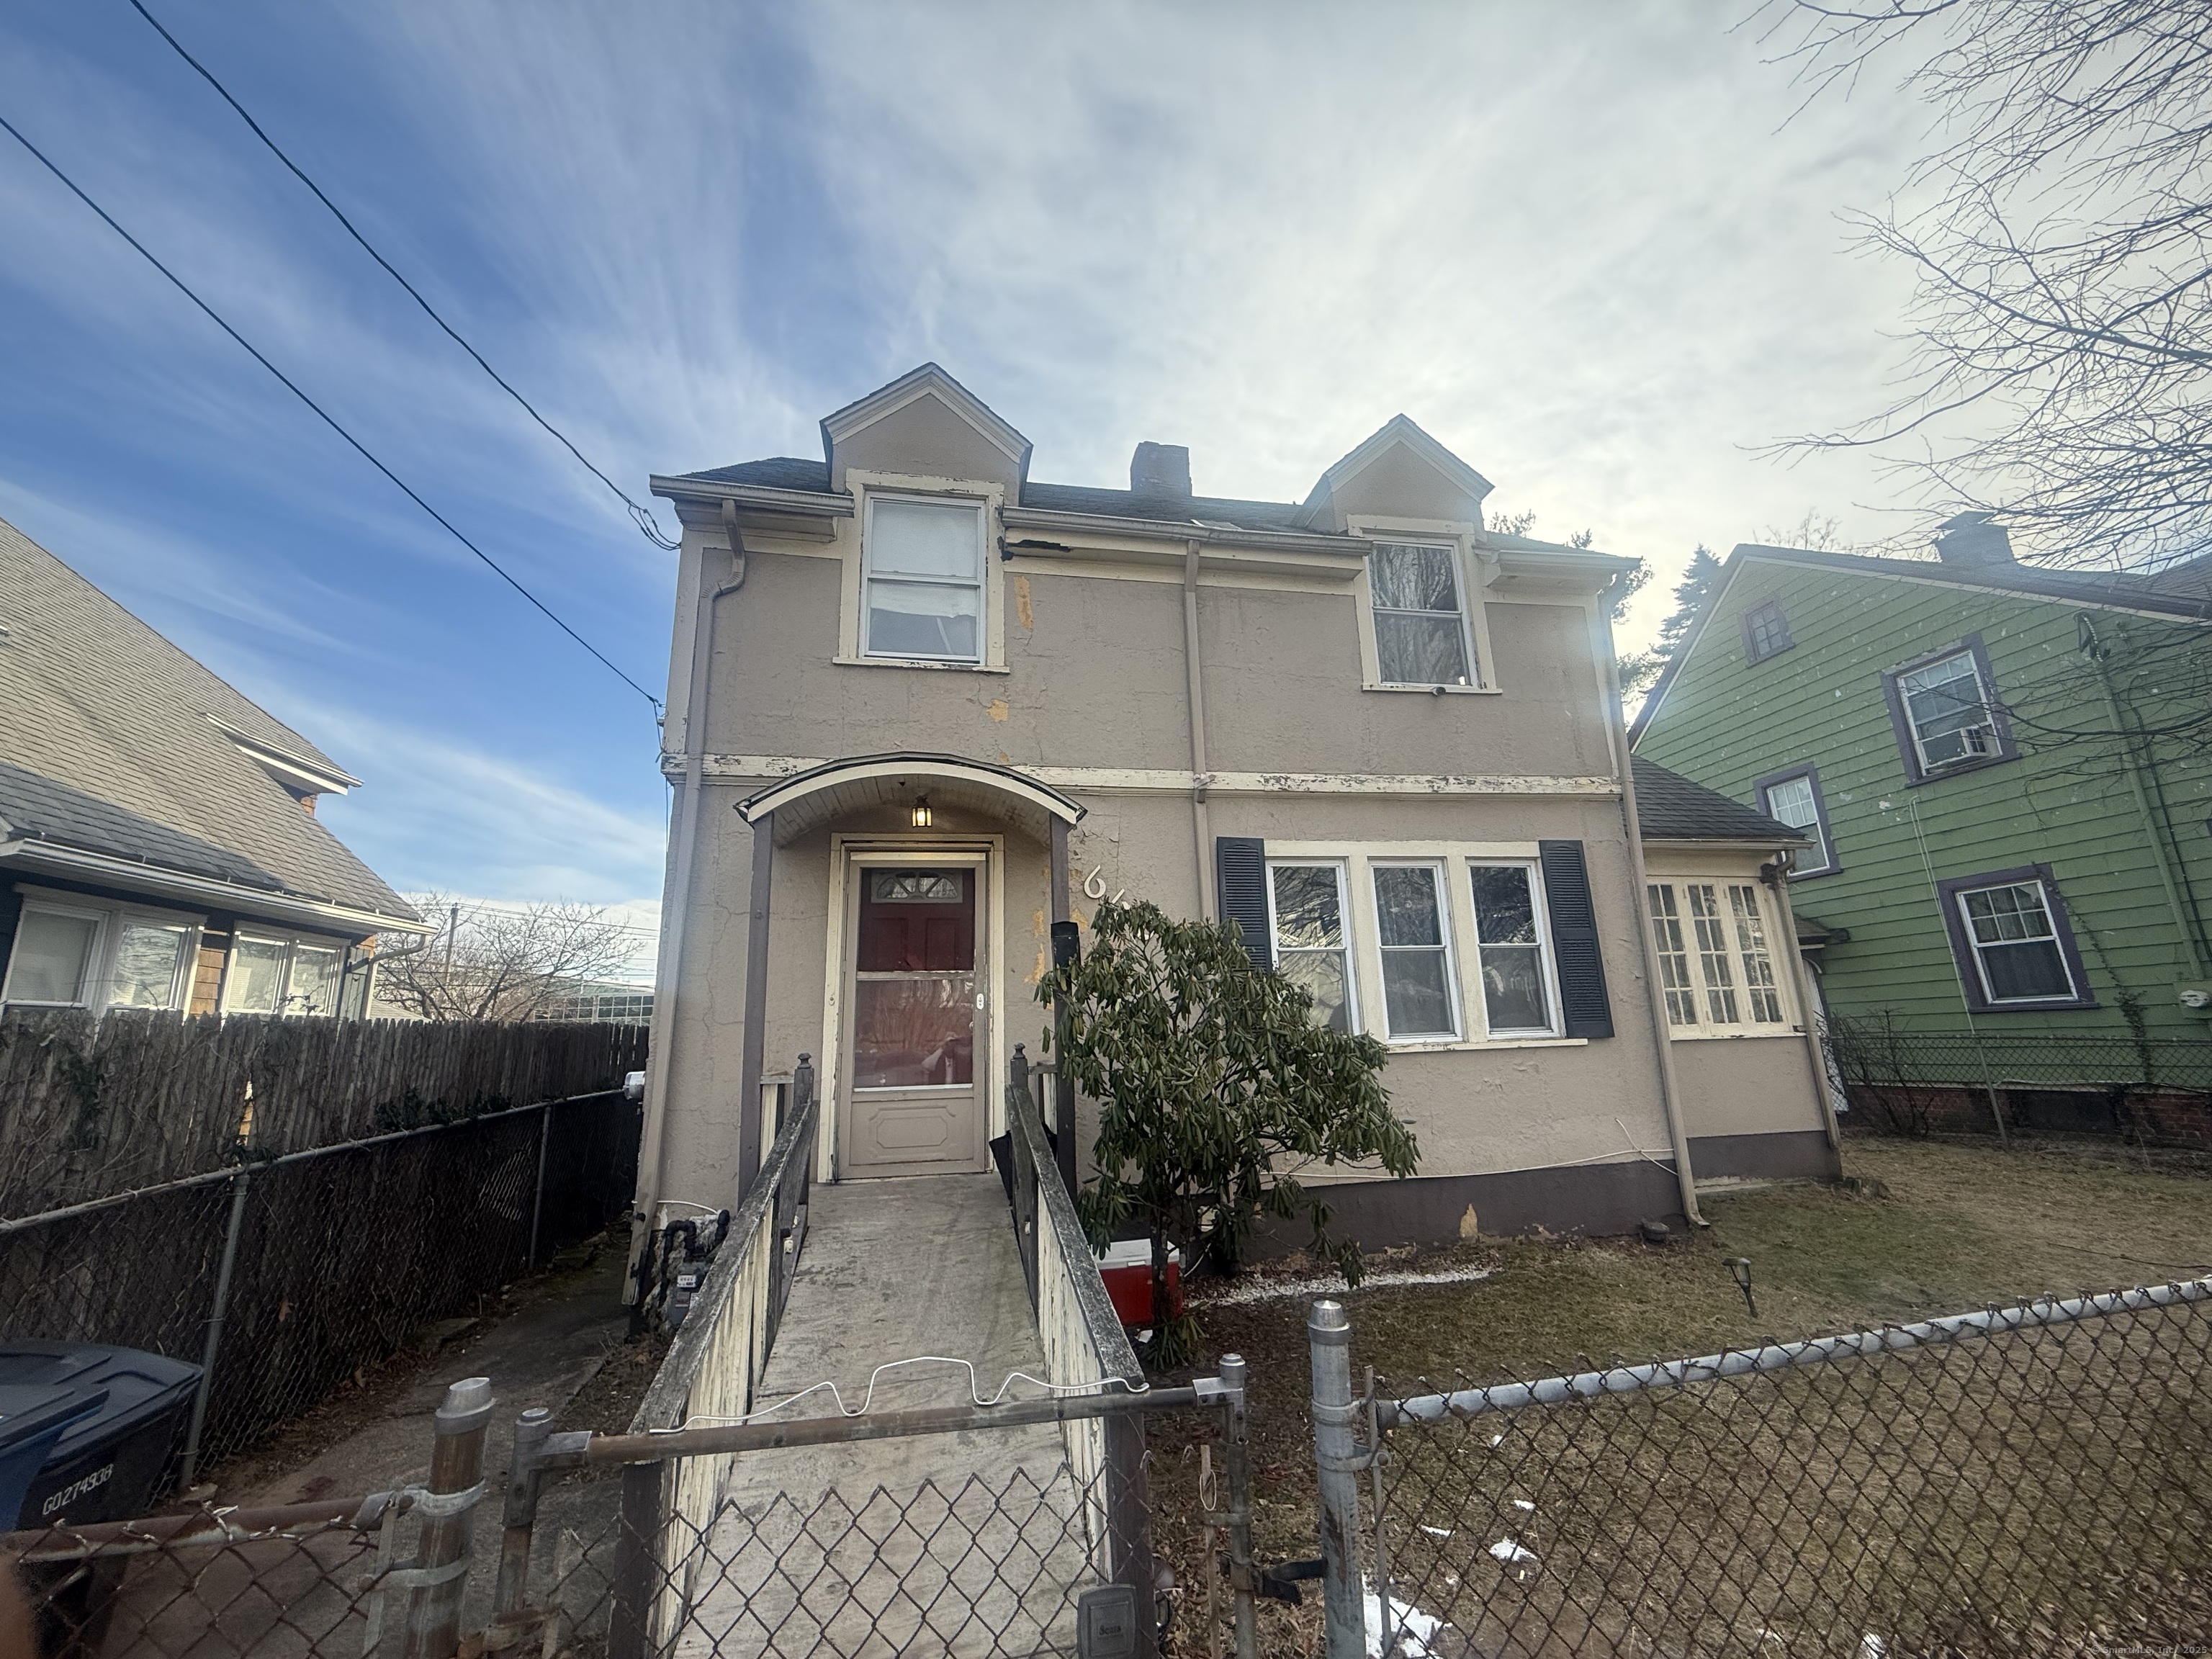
point(2029, 1481)
point(288, 1275)
point(2151, 1092)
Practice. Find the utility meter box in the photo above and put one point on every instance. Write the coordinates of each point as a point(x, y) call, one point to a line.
point(1106, 1623)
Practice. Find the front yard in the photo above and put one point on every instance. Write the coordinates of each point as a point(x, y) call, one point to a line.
point(1930, 1229)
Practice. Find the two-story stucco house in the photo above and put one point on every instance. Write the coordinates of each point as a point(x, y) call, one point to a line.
point(922, 706)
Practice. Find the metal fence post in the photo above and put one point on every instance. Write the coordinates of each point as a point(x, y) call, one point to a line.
point(524, 1481)
point(433, 1610)
point(1337, 1462)
point(216, 1314)
point(1236, 1457)
point(538, 1202)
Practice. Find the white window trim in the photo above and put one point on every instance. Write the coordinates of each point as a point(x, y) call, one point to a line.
point(1974, 945)
point(1357, 857)
point(1706, 1029)
point(1547, 959)
point(113, 919)
point(1473, 617)
point(1929, 768)
point(851, 549)
point(1346, 895)
point(1455, 998)
point(1819, 828)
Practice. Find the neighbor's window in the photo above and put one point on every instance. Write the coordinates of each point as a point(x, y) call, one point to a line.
point(1516, 979)
point(1418, 998)
point(1766, 631)
point(923, 580)
point(1718, 972)
point(1947, 711)
point(2016, 943)
point(150, 959)
point(55, 955)
point(284, 977)
point(1420, 622)
point(1306, 909)
point(1794, 799)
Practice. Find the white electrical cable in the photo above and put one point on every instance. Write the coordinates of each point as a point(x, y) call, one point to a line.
point(1053, 1389)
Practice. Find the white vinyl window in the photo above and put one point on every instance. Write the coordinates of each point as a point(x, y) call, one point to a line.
point(1420, 992)
point(1509, 940)
point(1716, 966)
point(1796, 802)
point(1946, 706)
point(2016, 946)
point(153, 963)
point(270, 974)
point(56, 959)
point(1421, 635)
point(922, 580)
point(1307, 914)
point(95, 956)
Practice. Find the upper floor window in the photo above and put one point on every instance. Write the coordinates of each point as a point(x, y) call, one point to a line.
point(2009, 935)
point(1306, 911)
point(922, 580)
point(1945, 711)
point(1794, 798)
point(1421, 635)
point(1716, 966)
point(89, 956)
point(1766, 631)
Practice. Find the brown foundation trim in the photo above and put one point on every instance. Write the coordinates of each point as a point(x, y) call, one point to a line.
point(1797, 1152)
point(1596, 1199)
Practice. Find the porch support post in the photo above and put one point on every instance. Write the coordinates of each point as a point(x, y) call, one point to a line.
point(1065, 945)
point(754, 1062)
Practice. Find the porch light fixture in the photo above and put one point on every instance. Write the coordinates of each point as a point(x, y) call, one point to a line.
point(920, 817)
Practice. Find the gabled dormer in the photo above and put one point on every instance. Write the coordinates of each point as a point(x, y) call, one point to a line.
point(1402, 473)
point(925, 424)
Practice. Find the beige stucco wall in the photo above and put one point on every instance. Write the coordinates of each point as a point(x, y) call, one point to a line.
point(1759, 1086)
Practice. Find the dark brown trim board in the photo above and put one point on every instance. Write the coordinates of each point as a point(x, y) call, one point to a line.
point(1794, 1154)
point(1596, 1199)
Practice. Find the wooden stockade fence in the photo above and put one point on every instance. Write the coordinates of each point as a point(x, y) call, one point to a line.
point(93, 1107)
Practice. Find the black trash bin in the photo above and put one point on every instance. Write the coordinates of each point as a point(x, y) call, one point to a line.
point(112, 1452)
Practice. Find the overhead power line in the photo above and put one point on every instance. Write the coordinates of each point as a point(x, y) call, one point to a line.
point(327, 419)
point(642, 515)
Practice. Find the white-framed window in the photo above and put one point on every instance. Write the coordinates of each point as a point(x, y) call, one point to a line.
point(1948, 714)
point(1420, 987)
point(80, 953)
point(2016, 943)
point(1794, 798)
point(283, 973)
point(1418, 603)
point(1511, 942)
point(1717, 971)
point(923, 574)
point(1309, 922)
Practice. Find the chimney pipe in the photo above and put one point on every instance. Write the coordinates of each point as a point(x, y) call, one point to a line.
point(1161, 470)
point(1974, 538)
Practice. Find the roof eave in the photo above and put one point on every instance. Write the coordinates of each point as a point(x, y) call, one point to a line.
point(208, 892)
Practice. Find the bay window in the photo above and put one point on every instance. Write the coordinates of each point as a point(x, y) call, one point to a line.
point(1716, 972)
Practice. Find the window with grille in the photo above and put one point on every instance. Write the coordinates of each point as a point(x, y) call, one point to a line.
point(1421, 635)
point(2019, 952)
point(1766, 631)
point(1794, 798)
point(1946, 713)
point(1716, 970)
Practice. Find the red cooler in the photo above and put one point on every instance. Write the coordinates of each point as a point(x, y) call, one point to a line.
point(1126, 1267)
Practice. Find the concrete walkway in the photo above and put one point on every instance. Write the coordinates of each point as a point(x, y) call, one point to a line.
point(969, 1543)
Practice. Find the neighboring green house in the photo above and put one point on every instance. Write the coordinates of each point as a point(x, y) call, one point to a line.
point(2007, 772)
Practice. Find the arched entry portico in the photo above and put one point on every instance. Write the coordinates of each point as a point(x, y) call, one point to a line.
point(917, 901)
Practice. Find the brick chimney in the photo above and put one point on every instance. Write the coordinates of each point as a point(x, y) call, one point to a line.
point(1161, 471)
point(1974, 538)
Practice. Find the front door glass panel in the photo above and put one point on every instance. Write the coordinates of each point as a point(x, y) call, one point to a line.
point(914, 999)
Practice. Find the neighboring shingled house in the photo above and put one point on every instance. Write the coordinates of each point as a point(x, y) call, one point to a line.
point(158, 842)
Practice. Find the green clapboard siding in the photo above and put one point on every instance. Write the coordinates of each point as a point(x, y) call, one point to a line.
point(1726, 722)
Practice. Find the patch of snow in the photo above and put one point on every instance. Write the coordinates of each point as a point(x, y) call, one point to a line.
point(1523, 1503)
point(1411, 1631)
point(1267, 1290)
point(1436, 1532)
point(1873, 1647)
point(1509, 1550)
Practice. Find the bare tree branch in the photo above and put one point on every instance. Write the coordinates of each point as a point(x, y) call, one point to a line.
point(504, 963)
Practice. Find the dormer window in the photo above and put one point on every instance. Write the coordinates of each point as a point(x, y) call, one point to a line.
point(922, 588)
point(1420, 618)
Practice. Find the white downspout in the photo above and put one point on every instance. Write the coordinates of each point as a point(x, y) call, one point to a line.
point(676, 894)
point(1207, 905)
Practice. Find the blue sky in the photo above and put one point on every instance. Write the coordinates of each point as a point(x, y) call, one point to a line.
point(1585, 245)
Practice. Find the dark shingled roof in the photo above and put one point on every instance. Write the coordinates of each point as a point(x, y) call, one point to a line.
point(109, 744)
point(789, 472)
point(1669, 807)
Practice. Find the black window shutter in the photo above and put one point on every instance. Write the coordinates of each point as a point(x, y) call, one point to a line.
point(1582, 997)
point(1240, 884)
